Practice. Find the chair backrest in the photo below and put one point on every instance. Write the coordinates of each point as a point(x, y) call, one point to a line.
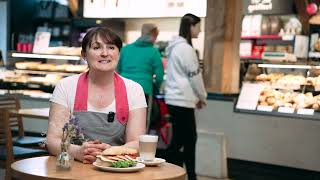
point(6, 141)
point(13, 103)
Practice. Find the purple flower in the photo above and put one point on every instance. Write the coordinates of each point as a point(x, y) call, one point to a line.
point(72, 130)
point(65, 127)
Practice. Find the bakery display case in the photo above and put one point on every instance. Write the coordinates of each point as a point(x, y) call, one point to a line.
point(36, 75)
point(314, 45)
point(280, 72)
point(287, 90)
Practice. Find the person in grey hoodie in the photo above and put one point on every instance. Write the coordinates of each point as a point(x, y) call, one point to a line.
point(184, 91)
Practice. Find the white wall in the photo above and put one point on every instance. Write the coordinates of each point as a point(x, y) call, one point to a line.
point(168, 28)
point(3, 28)
point(267, 139)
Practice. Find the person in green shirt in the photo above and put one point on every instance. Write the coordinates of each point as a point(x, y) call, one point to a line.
point(140, 61)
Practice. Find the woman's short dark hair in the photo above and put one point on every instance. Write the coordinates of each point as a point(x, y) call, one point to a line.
point(108, 37)
point(186, 21)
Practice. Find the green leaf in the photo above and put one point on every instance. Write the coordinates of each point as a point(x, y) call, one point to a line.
point(124, 164)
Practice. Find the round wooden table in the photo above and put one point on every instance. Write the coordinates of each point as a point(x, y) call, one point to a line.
point(45, 168)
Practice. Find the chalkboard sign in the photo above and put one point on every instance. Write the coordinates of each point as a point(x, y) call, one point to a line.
point(268, 7)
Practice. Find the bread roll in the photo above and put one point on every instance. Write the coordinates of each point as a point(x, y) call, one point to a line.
point(119, 150)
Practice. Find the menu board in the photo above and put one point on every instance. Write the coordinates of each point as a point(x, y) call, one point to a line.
point(249, 96)
point(143, 8)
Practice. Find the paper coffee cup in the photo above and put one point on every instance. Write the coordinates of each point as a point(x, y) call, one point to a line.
point(147, 147)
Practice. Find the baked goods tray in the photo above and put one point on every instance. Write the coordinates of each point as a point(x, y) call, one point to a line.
point(27, 85)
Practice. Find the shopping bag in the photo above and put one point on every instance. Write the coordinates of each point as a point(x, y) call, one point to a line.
point(159, 123)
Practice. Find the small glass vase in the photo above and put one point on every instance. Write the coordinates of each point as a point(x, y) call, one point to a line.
point(64, 159)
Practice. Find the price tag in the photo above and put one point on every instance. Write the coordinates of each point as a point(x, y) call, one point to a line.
point(305, 111)
point(249, 96)
point(265, 108)
point(286, 110)
point(287, 37)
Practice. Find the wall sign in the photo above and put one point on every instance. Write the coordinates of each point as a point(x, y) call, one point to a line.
point(261, 5)
point(143, 8)
point(268, 7)
point(41, 42)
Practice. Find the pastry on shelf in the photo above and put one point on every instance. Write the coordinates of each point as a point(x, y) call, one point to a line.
point(17, 78)
point(46, 67)
point(262, 77)
point(61, 67)
point(76, 68)
point(317, 45)
point(53, 78)
point(63, 50)
point(27, 65)
point(49, 79)
point(252, 72)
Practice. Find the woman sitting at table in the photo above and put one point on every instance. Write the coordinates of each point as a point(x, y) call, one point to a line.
point(111, 109)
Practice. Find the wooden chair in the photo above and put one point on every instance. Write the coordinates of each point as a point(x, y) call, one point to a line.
point(8, 152)
point(13, 103)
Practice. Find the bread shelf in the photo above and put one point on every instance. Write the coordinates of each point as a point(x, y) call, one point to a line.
point(21, 71)
point(315, 117)
point(27, 85)
point(44, 56)
point(288, 66)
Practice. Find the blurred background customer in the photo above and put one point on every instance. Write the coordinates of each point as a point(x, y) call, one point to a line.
point(184, 91)
point(140, 61)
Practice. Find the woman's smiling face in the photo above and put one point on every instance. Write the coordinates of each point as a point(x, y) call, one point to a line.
point(101, 56)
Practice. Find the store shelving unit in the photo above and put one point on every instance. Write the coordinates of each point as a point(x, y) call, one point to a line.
point(36, 78)
point(43, 56)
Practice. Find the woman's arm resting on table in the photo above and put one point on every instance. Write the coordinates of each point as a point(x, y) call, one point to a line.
point(58, 116)
point(135, 127)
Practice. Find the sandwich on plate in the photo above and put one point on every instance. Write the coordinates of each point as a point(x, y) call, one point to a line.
point(118, 157)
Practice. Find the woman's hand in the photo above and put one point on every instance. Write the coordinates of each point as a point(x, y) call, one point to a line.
point(89, 150)
point(201, 104)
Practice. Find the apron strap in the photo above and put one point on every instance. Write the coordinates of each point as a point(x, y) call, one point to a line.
point(122, 106)
point(81, 99)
